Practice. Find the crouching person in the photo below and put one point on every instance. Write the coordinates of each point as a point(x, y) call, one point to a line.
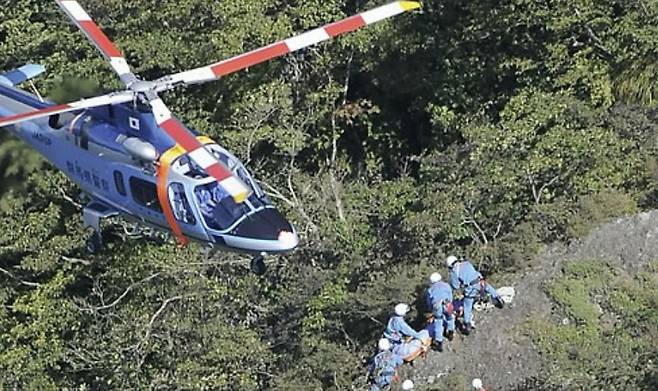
point(439, 301)
point(383, 366)
point(405, 341)
point(464, 276)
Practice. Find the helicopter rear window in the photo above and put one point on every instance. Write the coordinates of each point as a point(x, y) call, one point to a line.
point(217, 207)
point(118, 181)
point(145, 193)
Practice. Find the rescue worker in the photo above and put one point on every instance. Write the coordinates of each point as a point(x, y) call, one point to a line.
point(382, 367)
point(464, 276)
point(439, 301)
point(397, 328)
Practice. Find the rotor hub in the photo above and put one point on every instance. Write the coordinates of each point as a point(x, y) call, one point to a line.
point(142, 86)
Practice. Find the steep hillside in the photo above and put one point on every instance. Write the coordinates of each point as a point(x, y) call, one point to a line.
point(510, 349)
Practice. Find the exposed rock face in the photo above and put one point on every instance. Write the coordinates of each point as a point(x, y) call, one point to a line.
point(498, 352)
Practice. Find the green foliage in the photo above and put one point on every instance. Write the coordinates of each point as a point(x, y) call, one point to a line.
point(483, 128)
point(614, 333)
point(597, 208)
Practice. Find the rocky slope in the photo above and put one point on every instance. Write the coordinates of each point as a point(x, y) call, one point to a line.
point(499, 351)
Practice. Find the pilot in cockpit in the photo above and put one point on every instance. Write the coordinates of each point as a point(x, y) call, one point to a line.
point(218, 194)
point(205, 201)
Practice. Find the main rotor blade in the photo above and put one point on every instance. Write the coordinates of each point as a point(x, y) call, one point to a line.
point(198, 153)
point(80, 17)
point(110, 99)
point(234, 64)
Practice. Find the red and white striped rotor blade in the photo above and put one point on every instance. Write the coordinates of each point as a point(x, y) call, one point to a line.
point(110, 99)
point(309, 38)
point(80, 17)
point(198, 152)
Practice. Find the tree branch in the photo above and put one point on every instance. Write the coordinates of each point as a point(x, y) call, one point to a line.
point(149, 327)
point(471, 220)
point(76, 260)
point(7, 272)
point(118, 299)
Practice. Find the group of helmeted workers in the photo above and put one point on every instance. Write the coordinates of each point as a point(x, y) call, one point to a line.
point(402, 343)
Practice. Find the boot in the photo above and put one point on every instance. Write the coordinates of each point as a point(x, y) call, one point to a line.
point(499, 303)
point(438, 346)
point(467, 328)
point(450, 334)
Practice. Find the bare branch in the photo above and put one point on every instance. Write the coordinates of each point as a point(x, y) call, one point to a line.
point(76, 260)
point(158, 312)
point(298, 204)
point(495, 235)
point(471, 220)
point(68, 198)
point(7, 272)
point(369, 316)
point(274, 193)
point(149, 327)
point(337, 198)
point(131, 287)
point(537, 194)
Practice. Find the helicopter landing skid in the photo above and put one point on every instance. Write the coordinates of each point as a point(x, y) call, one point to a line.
point(91, 217)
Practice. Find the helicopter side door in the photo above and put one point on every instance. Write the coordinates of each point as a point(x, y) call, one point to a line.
point(144, 197)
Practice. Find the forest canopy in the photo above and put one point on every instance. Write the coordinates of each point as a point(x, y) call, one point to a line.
point(481, 128)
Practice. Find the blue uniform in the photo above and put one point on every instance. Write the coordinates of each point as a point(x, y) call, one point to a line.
point(206, 203)
point(218, 194)
point(438, 296)
point(382, 369)
point(398, 328)
point(464, 276)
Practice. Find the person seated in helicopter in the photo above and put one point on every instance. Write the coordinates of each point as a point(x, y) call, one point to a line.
point(218, 194)
point(205, 200)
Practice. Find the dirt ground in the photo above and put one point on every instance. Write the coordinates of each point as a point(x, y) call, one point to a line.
point(498, 352)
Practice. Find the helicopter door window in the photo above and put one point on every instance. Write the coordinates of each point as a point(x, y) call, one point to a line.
point(179, 204)
point(118, 182)
point(145, 193)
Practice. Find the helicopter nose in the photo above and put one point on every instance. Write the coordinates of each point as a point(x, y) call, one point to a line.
point(268, 224)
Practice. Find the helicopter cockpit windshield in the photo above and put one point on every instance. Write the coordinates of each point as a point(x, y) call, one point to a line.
point(217, 207)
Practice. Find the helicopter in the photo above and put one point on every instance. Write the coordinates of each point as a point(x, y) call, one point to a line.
point(133, 158)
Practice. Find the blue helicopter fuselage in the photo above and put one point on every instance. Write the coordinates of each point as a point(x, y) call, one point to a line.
point(111, 153)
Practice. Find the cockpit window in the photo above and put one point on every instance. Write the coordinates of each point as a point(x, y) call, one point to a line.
point(217, 207)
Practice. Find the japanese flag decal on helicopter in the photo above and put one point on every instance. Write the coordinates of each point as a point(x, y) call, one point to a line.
point(145, 92)
point(256, 225)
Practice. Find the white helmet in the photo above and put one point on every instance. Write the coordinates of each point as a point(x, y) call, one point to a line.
point(435, 277)
point(383, 344)
point(401, 309)
point(407, 385)
point(450, 260)
point(477, 384)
